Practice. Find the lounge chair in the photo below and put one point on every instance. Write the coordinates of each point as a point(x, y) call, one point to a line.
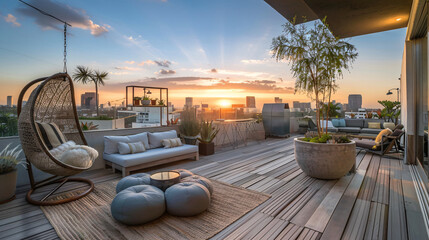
point(386, 145)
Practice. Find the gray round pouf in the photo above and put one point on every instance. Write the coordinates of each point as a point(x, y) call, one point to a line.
point(184, 173)
point(187, 199)
point(133, 180)
point(138, 205)
point(201, 180)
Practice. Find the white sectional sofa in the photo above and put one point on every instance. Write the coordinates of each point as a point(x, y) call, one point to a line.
point(154, 155)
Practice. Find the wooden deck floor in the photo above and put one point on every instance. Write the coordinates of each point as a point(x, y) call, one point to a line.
point(377, 202)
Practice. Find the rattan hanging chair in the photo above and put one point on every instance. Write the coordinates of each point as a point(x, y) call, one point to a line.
point(52, 101)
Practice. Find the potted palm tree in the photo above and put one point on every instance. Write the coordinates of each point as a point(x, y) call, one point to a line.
point(86, 75)
point(208, 133)
point(189, 126)
point(9, 160)
point(317, 59)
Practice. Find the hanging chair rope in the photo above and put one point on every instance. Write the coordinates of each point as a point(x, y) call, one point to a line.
point(65, 31)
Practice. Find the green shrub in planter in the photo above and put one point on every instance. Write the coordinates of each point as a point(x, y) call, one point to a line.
point(9, 160)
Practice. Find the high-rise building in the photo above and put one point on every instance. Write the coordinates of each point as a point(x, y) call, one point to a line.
point(355, 102)
point(204, 105)
point(189, 102)
point(9, 101)
point(250, 102)
point(278, 100)
point(88, 101)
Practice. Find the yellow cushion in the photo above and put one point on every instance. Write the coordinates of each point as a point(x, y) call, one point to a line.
point(384, 132)
point(374, 125)
point(389, 125)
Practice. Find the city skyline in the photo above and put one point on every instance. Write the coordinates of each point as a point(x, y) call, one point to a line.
point(217, 57)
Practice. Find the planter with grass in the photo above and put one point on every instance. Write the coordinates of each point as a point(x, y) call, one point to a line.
point(9, 160)
point(324, 157)
point(208, 133)
point(189, 126)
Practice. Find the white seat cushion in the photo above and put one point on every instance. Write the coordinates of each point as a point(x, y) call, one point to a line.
point(150, 155)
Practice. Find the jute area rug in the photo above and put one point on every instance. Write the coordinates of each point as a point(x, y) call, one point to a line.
point(90, 217)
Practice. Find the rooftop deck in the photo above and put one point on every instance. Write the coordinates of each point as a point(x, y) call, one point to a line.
point(379, 201)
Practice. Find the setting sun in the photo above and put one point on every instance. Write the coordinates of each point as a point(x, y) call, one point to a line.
point(224, 103)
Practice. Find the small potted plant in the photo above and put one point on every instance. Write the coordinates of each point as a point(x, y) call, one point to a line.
point(207, 134)
point(161, 102)
point(153, 101)
point(137, 101)
point(146, 101)
point(9, 160)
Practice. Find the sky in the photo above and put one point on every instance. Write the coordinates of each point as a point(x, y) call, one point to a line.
point(209, 50)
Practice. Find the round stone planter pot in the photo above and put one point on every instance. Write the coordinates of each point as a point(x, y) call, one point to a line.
point(7, 186)
point(324, 160)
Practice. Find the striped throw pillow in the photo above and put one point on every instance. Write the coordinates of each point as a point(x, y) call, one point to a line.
point(51, 135)
point(170, 143)
point(130, 148)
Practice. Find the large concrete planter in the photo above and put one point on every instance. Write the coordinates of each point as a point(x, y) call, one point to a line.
point(7, 186)
point(323, 160)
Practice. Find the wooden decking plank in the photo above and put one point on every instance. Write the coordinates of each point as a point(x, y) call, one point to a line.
point(272, 230)
point(321, 216)
point(355, 228)
point(334, 229)
point(381, 191)
point(413, 213)
point(365, 161)
point(302, 217)
point(370, 180)
point(253, 181)
point(246, 227)
point(397, 225)
point(298, 203)
point(290, 232)
point(376, 227)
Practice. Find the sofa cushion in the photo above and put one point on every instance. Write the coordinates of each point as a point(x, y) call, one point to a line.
point(170, 143)
point(150, 155)
point(349, 129)
point(366, 121)
point(332, 129)
point(336, 122)
point(323, 124)
point(155, 139)
point(389, 125)
point(355, 123)
point(111, 142)
point(374, 125)
point(370, 130)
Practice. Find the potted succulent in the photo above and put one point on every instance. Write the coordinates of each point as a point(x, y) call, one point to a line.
point(207, 134)
point(137, 101)
point(9, 160)
point(146, 101)
point(161, 102)
point(153, 101)
point(317, 67)
point(189, 126)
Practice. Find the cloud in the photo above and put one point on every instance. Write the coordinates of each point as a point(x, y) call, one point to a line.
point(163, 71)
point(127, 68)
point(254, 61)
point(233, 73)
point(147, 62)
point(207, 83)
point(164, 63)
point(213, 70)
point(74, 16)
point(130, 62)
point(12, 19)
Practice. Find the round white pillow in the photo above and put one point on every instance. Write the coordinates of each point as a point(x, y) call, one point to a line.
point(79, 156)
